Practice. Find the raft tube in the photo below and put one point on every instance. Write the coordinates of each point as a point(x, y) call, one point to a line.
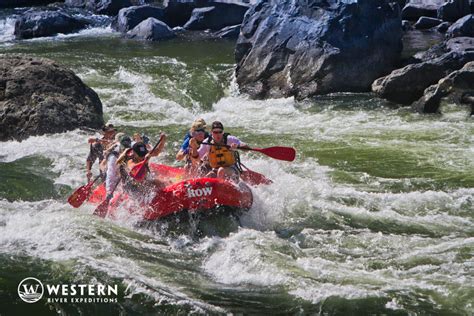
point(193, 195)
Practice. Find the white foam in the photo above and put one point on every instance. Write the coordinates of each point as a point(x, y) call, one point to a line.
point(242, 259)
point(68, 152)
point(140, 97)
point(7, 28)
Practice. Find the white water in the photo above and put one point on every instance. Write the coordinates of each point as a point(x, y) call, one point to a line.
point(309, 234)
point(7, 28)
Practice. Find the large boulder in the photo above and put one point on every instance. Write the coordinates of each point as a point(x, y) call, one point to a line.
point(216, 17)
point(458, 85)
point(109, 7)
point(453, 10)
point(38, 96)
point(130, 17)
point(443, 27)
point(24, 3)
point(300, 48)
point(178, 12)
point(462, 27)
point(229, 32)
point(151, 30)
point(46, 23)
point(407, 84)
point(459, 45)
point(415, 9)
point(427, 23)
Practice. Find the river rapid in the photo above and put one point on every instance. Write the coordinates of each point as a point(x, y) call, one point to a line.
point(375, 216)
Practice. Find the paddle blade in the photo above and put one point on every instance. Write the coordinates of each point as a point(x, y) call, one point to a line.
point(102, 209)
point(139, 171)
point(278, 152)
point(80, 195)
point(254, 178)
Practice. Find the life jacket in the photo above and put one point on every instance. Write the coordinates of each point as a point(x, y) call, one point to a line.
point(220, 156)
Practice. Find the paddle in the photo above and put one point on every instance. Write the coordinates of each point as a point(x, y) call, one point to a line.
point(138, 172)
point(103, 207)
point(81, 194)
point(276, 152)
point(253, 177)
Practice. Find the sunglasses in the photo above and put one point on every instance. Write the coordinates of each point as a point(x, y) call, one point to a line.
point(217, 132)
point(201, 130)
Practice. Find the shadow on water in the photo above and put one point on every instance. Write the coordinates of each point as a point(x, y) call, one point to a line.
point(28, 179)
point(218, 222)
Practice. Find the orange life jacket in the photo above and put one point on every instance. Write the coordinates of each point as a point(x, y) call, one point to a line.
point(220, 156)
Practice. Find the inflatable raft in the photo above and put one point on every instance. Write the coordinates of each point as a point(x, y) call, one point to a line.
point(199, 194)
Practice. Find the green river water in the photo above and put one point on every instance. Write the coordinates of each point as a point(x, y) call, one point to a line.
point(374, 217)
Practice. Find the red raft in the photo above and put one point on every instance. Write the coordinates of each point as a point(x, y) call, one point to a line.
point(200, 194)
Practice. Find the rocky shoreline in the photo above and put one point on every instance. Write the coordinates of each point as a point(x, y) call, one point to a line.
point(293, 48)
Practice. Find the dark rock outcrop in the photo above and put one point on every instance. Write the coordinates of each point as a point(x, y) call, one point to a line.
point(453, 10)
point(151, 30)
point(296, 48)
point(462, 27)
point(46, 23)
point(407, 84)
point(413, 10)
point(458, 85)
point(215, 17)
point(130, 17)
point(458, 44)
point(178, 12)
point(401, 3)
point(229, 32)
point(37, 96)
point(424, 23)
point(406, 25)
point(443, 27)
point(109, 7)
point(25, 3)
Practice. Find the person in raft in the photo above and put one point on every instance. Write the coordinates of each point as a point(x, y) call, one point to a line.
point(218, 152)
point(140, 190)
point(142, 138)
point(121, 144)
point(188, 150)
point(97, 147)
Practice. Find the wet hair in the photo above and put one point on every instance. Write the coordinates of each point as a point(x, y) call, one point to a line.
point(126, 141)
point(140, 149)
point(108, 128)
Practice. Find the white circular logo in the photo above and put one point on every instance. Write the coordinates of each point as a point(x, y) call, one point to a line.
point(30, 290)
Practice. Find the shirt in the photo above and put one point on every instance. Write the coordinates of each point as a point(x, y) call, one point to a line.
point(113, 175)
point(96, 151)
point(185, 146)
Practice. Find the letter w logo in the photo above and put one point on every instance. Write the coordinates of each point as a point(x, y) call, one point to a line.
point(30, 289)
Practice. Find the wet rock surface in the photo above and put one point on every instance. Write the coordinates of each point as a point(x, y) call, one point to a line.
point(297, 49)
point(37, 96)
